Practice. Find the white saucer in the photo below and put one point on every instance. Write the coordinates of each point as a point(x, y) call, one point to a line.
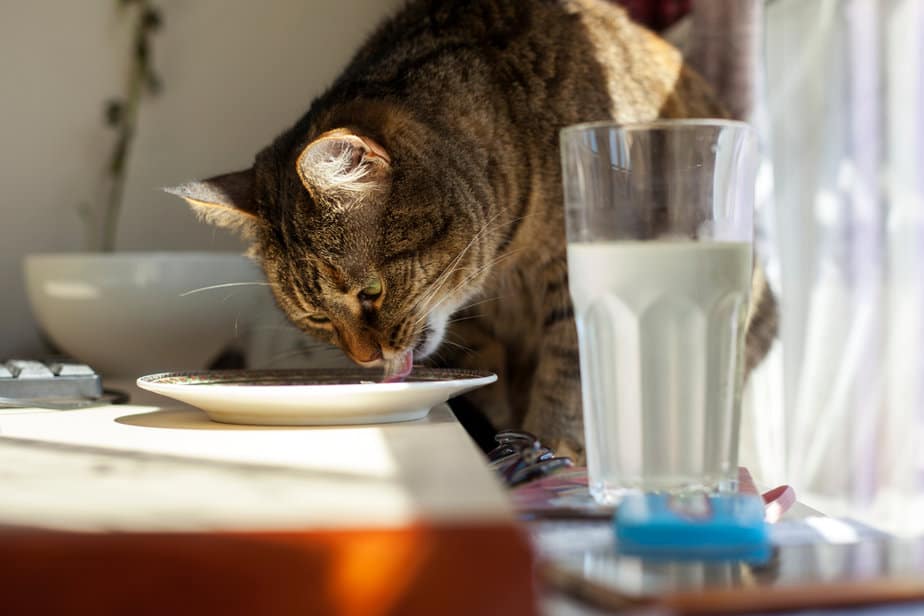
point(313, 397)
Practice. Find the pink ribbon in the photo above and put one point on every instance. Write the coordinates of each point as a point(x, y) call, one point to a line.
point(776, 501)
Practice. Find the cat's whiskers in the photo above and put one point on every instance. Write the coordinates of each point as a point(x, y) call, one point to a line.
point(445, 276)
point(460, 319)
point(274, 328)
point(480, 302)
point(466, 280)
point(451, 268)
point(224, 285)
point(275, 359)
point(469, 317)
point(473, 273)
point(307, 352)
point(457, 345)
point(437, 356)
point(448, 339)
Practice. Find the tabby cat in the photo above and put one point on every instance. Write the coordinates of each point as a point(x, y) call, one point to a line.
point(415, 211)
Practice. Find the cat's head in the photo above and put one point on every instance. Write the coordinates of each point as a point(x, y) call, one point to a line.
point(364, 244)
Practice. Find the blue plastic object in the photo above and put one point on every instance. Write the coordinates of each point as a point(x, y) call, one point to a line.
point(713, 526)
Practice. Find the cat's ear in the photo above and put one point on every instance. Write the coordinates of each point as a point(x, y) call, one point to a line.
point(342, 165)
point(224, 200)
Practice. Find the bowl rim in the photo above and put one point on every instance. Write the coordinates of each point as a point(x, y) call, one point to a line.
point(136, 255)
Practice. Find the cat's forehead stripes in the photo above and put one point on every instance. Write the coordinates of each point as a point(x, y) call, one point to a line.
point(323, 277)
point(301, 300)
point(308, 279)
point(332, 286)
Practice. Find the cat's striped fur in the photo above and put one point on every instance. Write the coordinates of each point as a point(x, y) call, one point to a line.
point(430, 172)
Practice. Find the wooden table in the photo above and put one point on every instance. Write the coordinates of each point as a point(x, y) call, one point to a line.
point(151, 510)
point(143, 509)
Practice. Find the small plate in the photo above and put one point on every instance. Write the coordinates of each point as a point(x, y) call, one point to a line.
point(313, 397)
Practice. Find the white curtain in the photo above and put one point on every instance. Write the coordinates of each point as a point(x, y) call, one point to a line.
point(837, 408)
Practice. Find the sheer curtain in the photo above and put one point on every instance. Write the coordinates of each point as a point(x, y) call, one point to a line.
point(836, 410)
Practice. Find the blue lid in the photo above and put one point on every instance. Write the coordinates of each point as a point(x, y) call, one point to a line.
point(724, 526)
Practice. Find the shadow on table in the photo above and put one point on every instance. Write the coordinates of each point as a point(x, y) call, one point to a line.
point(193, 419)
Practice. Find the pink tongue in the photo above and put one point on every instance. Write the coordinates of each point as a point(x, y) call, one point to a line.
point(398, 368)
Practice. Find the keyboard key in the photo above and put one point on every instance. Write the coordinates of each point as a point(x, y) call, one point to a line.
point(27, 369)
point(60, 369)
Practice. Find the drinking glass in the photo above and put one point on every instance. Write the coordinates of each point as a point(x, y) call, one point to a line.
point(659, 224)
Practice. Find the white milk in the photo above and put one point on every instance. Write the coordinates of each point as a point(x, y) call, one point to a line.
point(661, 327)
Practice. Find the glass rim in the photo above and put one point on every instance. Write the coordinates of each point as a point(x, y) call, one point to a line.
point(659, 124)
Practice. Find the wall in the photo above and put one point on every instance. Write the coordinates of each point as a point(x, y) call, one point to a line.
point(235, 72)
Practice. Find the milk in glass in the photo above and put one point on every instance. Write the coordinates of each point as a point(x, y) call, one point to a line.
point(661, 327)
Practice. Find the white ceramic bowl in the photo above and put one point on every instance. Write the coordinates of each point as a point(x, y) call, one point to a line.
point(130, 314)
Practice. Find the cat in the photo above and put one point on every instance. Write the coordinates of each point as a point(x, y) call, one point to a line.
point(415, 211)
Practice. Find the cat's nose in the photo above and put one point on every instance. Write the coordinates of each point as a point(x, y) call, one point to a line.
point(365, 355)
point(374, 356)
point(361, 347)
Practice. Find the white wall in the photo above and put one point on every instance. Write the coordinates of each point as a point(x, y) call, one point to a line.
point(236, 72)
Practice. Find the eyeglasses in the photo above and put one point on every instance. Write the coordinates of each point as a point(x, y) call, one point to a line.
point(520, 457)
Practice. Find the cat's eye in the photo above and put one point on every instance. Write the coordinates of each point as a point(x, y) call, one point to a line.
point(320, 319)
point(372, 290)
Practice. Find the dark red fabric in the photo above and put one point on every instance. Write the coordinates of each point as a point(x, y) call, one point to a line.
point(657, 14)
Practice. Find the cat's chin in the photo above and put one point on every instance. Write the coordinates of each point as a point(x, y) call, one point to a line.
point(431, 338)
point(424, 348)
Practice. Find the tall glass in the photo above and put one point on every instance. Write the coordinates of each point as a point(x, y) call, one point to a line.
point(659, 222)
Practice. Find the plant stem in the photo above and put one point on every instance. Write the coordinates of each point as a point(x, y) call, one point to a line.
point(127, 125)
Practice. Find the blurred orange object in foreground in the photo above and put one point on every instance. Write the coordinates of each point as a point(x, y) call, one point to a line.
point(425, 570)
